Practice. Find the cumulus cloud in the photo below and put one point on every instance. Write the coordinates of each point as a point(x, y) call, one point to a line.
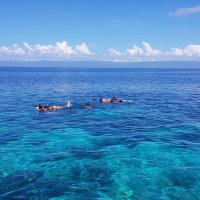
point(7, 50)
point(63, 48)
point(83, 49)
point(135, 51)
point(58, 51)
point(27, 46)
point(4, 49)
point(190, 50)
point(60, 48)
point(63, 51)
point(147, 53)
point(114, 52)
point(186, 11)
point(15, 45)
point(18, 51)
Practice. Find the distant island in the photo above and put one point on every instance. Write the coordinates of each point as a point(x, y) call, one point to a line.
point(102, 64)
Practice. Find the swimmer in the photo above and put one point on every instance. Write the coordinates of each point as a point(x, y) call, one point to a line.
point(40, 107)
point(114, 100)
point(88, 105)
point(47, 108)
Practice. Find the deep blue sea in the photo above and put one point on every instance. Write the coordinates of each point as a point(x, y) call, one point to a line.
point(146, 150)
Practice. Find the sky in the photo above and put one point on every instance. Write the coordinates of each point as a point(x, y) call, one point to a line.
point(100, 30)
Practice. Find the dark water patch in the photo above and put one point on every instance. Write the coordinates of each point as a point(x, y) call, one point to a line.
point(177, 193)
point(10, 136)
point(129, 139)
point(47, 182)
point(191, 136)
point(97, 173)
point(92, 177)
point(17, 183)
point(67, 190)
point(181, 177)
point(185, 136)
point(32, 185)
point(52, 157)
point(37, 142)
point(86, 153)
point(46, 188)
point(137, 139)
point(107, 141)
point(75, 173)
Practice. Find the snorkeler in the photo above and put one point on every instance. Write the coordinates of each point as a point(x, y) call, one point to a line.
point(115, 100)
point(88, 105)
point(47, 108)
point(40, 107)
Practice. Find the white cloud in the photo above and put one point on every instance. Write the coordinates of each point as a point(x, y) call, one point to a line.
point(186, 11)
point(27, 46)
point(135, 51)
point(175, 52)
point(190, 50)
point(114, 52)
point(18, 51)
point(63, 48)
point(8, 51)
point(147, 51)
point(42, 49)
point(83, 49)
point(4, 49)
point(59, 51)
point(63, 51)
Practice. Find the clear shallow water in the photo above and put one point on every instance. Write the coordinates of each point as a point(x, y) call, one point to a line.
point(149, 149)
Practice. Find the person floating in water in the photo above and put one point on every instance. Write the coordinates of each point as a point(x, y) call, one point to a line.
point(88, 105)
point(40, 107)
point(47, 108)
point(115, 100)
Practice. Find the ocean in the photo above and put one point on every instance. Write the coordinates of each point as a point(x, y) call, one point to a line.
point(148, 149)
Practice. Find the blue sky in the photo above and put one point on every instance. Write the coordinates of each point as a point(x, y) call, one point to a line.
point(114, 30)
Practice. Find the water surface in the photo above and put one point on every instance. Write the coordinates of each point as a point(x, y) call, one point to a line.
point(148, 149)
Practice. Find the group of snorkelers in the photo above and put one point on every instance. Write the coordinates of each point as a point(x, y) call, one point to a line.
point(46, 107)
point(113, 100)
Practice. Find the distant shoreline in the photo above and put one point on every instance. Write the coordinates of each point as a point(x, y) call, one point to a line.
point(102, 64)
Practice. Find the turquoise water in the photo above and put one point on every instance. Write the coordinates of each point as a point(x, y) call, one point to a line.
point(149, 149)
